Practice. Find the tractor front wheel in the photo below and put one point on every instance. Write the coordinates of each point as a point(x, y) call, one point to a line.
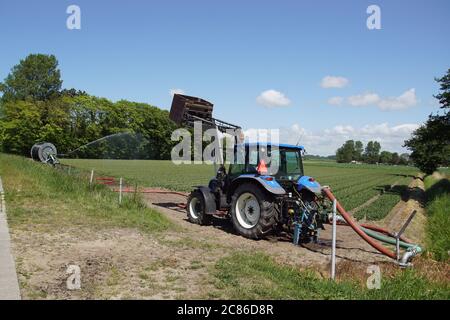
point(253, 211)
point(195, 208)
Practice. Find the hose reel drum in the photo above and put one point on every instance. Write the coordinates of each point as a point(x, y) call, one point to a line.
point(44, 152)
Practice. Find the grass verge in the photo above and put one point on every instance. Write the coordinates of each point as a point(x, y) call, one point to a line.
point(39, 195)
point(438, 211)
point(257, 276)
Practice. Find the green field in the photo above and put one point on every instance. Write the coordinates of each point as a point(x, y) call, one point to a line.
point(258, 276)
point(40, 196)
point(352, 184)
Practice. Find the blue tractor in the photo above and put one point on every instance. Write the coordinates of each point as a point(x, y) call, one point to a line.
point(259, 197)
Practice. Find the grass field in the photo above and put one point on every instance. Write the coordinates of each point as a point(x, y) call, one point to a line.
point(40, 196)
point(352, 184)
point(56, 219)
point(438, 226)
point(258, 276)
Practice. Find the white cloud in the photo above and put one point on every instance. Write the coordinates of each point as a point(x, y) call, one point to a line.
point(176, 91)
point(406, 100)
point(272, 98)
point(336, 101)
point(334, 82)
point(364, 99)
point(326, 141)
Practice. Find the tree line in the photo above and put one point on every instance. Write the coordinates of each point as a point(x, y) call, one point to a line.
point(34, 108)
point(354, 151)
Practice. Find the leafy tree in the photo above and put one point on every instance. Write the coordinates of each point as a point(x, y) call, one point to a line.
point(36, 77)
point(359, 149)
point(134, 130)
point(395, 158)
point(385, 157)
point(19, 127)
point(346, 152)
point(372, 152)
point(444, 95)
point(430, 143)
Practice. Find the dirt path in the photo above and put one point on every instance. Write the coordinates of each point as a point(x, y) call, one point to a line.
point(402, 210)
point(123, 263)
point(349, 244)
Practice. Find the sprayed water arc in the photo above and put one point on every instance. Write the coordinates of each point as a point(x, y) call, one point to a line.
point(93, 142)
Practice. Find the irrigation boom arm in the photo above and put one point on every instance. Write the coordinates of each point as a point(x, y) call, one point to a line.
point(186, 110)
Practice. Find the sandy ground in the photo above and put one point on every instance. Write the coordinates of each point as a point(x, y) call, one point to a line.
point(124, 263)
point(404, 208)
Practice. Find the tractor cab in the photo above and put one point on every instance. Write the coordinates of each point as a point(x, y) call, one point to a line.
point(281, 161)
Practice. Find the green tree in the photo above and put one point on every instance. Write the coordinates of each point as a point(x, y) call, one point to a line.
point(346, 152)
point(395, 158)
point(36, 77)
point(359, 149)
point(385, 157)
point(19, 126)
point(430, 143)
point(444, 95)
point(372, 152)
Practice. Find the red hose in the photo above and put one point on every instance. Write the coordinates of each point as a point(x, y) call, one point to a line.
point(357, 229)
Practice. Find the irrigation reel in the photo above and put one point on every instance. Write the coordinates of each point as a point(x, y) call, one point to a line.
point(44, 152)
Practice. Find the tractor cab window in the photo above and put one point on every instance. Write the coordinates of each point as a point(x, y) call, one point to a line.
point(293, 163)
point(291, 167)
point(283, 163)
point(252, 160)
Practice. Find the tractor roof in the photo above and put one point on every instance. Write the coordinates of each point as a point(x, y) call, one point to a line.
point(279, 145)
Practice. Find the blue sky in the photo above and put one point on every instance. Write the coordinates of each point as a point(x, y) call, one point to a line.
point(232, 52)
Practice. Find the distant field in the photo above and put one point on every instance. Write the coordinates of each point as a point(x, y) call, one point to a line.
point(352, 184)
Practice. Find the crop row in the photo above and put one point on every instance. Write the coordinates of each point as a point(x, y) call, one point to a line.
point(353, 185)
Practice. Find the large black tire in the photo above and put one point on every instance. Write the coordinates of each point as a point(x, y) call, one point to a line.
point(195, 209)
point(268, 215)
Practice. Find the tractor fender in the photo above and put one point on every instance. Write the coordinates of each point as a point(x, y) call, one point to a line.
point(267, 182)
point(210, 199)
point(310, 184)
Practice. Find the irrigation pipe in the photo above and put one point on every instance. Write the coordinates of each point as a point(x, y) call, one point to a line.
point(367, 234)
point(357, 228)
point(383, 231)
point(391, 240)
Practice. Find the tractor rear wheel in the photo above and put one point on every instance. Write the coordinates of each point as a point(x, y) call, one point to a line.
point(253, 211)
point(195, 208)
